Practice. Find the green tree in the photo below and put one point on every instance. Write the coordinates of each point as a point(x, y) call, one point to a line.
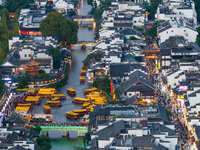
point(37, 129)
point(92, 57)
point(2, 54)
point(55, 53)
point(197, 7)
point(124, 39)
point(198, 37)
point(102, 84)
point(133, 38)
point(56, 24)
point(5, 15)
point(1, 84)
point(71, 13)
point(152, 32)
point(23, 82)
point(13, 5)
point(87, 138)
point(44, 76)
point(44, 143)
point(89, 2)
point(151, 8)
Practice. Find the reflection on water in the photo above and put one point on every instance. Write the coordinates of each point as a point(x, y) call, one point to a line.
point(85, 35)
point(66, 144)
point(84, 9)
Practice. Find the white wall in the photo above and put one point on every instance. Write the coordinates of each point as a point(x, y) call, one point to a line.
point(26, 52)
point(187, 33)
point(104, 143)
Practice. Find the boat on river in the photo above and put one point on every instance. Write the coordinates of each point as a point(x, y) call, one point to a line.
point(86, 104)
point(71, 91)
point(82, 79)
point(90, 27)
point(83, 72)
point(83, 47)
point(47, 109)
point(23, 108)
point(81, 112)
point(61, 96)
point(34, 100)
point(54, 103)
point(80, 100)
point(72, 115)
point(88, 91)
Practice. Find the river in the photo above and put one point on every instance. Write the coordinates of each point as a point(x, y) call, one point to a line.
point(73, 82)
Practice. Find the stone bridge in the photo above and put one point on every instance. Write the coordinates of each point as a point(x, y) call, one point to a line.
point(63, 130)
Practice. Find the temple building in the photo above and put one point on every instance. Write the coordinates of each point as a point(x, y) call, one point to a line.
point(15, 121)
point(32, 68)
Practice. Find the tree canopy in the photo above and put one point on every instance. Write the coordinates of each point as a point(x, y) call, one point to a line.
point(92, 58)
point(198, 37)
point(152, 32)
point(197, 7)
point(151, 8)
point(13, 5)
point(56, 24)
point(44, 143)
point(55, 53)
point(23, 82)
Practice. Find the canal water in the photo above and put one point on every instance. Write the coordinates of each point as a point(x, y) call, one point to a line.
point(66, 144)
point(78, 56)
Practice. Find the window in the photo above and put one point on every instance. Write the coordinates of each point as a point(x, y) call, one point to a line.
point(25, 55)
point(172, 31)
point(129, 94)
point(29, 55)
point(167, 32)
point(184, 30)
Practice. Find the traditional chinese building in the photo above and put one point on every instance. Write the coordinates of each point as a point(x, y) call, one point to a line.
point(32, 68)
point(15, 121)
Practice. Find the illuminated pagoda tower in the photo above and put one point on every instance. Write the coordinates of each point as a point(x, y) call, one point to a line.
point(32, 68)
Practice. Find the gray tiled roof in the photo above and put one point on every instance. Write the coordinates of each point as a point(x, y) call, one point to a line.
point(143, 141)
point(129, 85)
point(18, 147)
point(121, 70)
point(111, 131)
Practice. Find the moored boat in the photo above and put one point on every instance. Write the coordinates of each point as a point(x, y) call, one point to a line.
point(82, 79)
point(88, 91)
point(34, 100)
point(83, 72)
point(61, 96)
point(71, 91)
point(80, 100)
point(81, 112)
point(47, 109)
point(72, 115)
point(86, 104)
point(55, 99)
point(54, 103)
point(83, 47)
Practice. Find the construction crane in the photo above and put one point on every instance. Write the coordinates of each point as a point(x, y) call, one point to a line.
point(147, 14)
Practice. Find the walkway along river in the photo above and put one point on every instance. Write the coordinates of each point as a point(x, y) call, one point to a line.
point(74, 76)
